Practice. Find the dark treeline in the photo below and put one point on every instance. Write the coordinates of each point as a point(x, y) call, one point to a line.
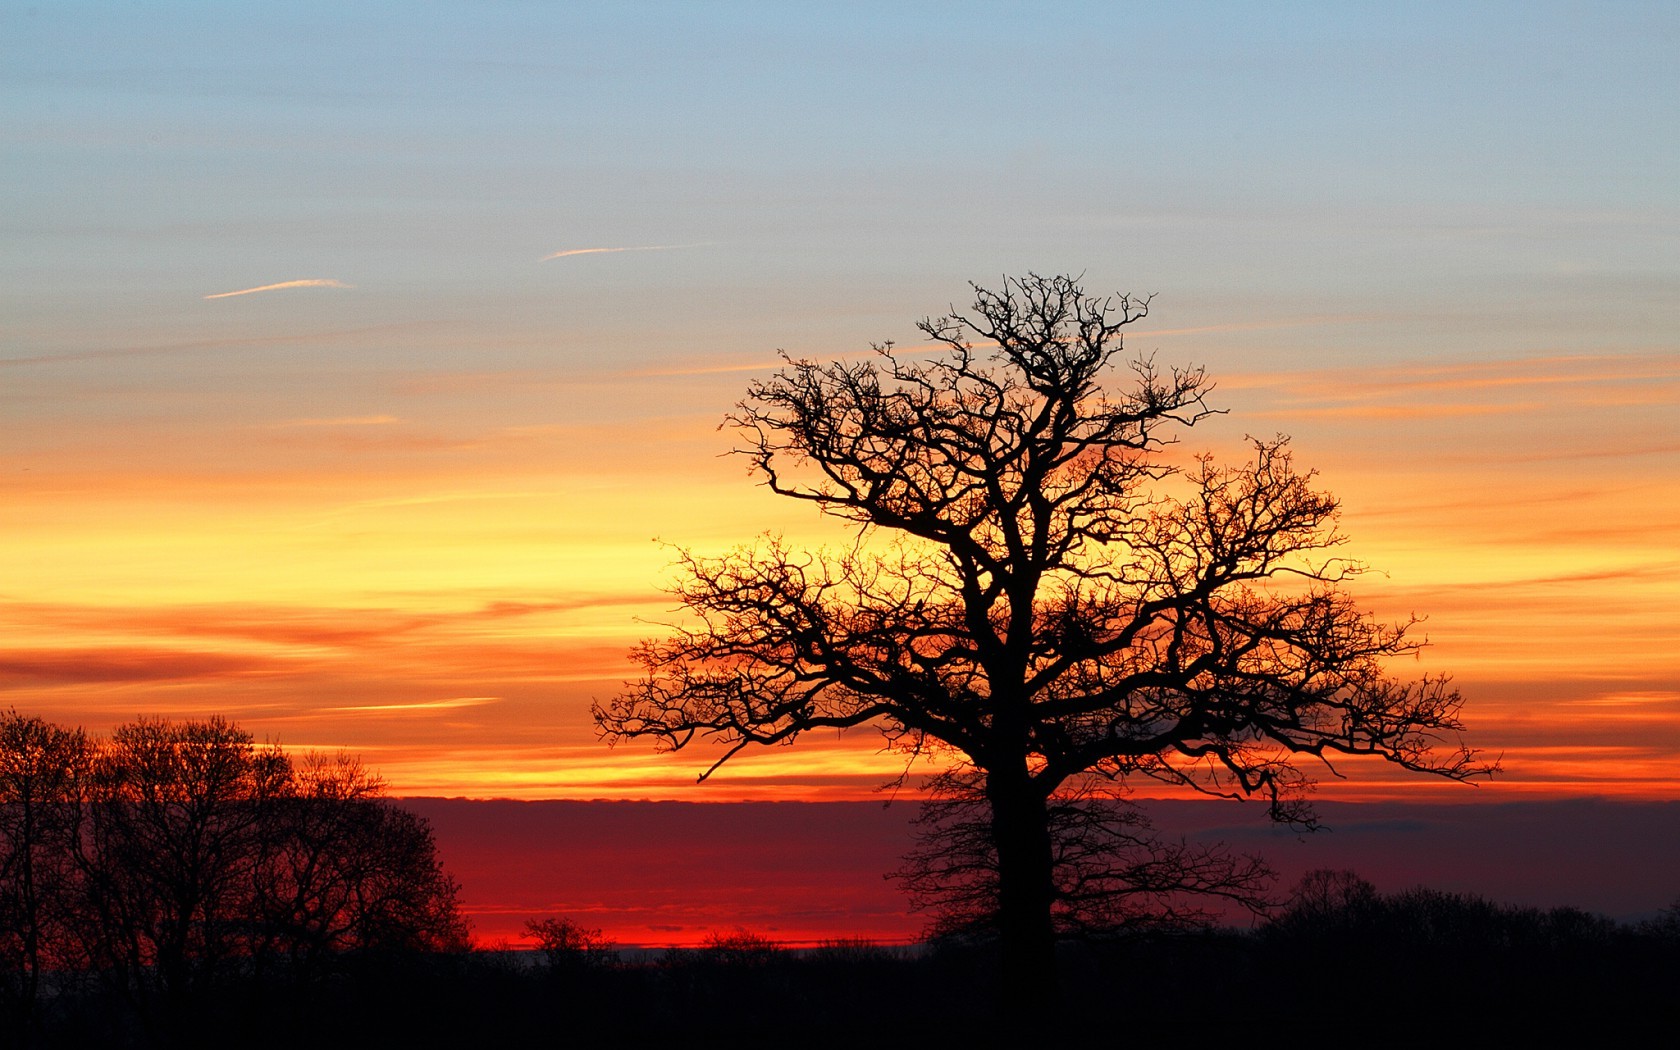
point(1337, 961)
point(1340, 962)
point(150, 878)
point(179, 885)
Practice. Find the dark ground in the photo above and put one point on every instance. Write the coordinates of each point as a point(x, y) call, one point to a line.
point(1423, 968)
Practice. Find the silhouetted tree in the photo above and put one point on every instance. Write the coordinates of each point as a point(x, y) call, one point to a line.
point(1665, 925)
point(303, 882)
point(1325, 892)
point(569, 946)
point(402, 899)
point(41, 768)
point(177, 820)
point(344, 870)
point(1037, 585)
point(739, 947)
point(1111, 872)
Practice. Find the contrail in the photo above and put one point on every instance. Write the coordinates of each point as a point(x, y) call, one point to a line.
point(637, 248)
point(312, 282)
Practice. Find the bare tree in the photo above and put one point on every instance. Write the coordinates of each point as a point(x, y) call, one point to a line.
point(1039, 586)
point(41, 768)
point(177, 815)
point(345, 870)
point(402, 898)
point(569, 947)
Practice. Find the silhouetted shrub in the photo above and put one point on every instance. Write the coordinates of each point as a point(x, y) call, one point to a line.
point(568, 946)
point(851, 951)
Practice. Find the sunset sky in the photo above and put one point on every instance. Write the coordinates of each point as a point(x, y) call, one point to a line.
point(351, 362)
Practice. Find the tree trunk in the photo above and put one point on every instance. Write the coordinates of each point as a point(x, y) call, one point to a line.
point(1020, 830)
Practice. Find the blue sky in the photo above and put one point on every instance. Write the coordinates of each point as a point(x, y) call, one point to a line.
point(854, 161)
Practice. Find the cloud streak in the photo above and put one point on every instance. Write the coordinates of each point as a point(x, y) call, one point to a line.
point(340, 421)
point(308, 282)
point(421, 705)
point(324, 338)
point(1451, 377)
point(567, 253)
point(1309, 321)
point(105, 664)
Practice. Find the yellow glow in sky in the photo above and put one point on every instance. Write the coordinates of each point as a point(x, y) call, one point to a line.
point(454, 625)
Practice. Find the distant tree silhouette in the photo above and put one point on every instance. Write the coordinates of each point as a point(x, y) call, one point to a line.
point(1325, 894)
point(570, 947)
point(1037, 585)
point(739, 947)
point(1342, 923)
point(1329, 908)
point(1111, 872)
point(1665, 925)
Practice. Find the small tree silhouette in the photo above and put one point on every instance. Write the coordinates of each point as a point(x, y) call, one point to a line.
point(569, 946)
point(739, 948)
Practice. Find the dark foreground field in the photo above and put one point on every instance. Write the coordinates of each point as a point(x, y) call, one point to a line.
point(1414, 968)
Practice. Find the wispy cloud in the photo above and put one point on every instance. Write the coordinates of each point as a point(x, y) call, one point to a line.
point(82, 666)
point(566, 253)
point(1440, 389)
point(323, 338)
point(439, 497)
point(1570, 370)
point(1630, 699)
point(770, 364)
point(760, 365)
point(423, 705)
point(1309, 321)
point(908, 350)
point(309, 282)
point(340, 421)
